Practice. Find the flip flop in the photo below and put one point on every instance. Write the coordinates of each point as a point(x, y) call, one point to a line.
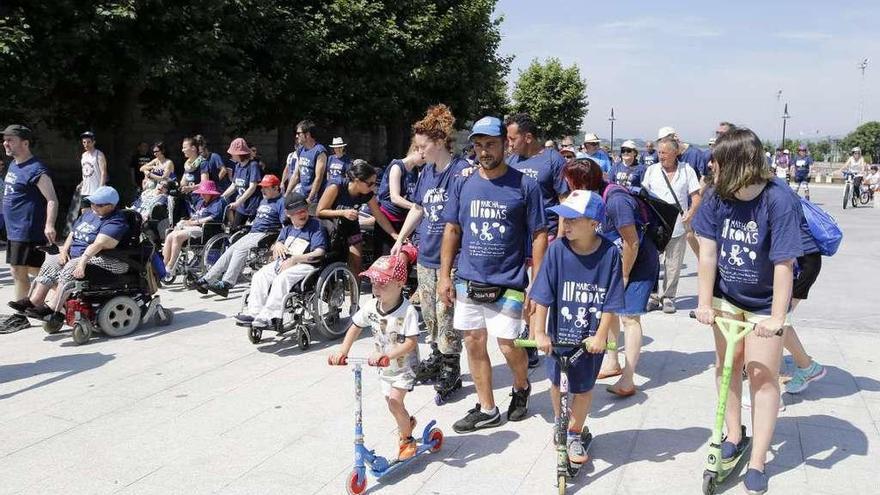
point(621, 393)
point(603, 375)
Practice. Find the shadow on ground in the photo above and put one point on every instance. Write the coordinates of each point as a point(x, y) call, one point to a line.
point(67, 366)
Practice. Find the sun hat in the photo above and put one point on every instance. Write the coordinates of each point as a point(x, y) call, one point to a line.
point(207, 187)
point(591, 138)
point(19, 131)
point(802, 147)
point(270, 181)
point(392, 267)
point(581, 204)
point(239, 146)
point(295, 202)
point(629, 144)
point(568, 149)
point(487, 126)
point(856, 150)
point(786, 152)
point(338, 142)
point(665, 131)
point(104, 195)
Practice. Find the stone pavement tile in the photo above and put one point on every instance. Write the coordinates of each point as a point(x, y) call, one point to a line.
point(20, 433)
point(844, 394)
point(874, 410)
point(73, 482)
point(597, 476)
point(840, 461)
point(268, 482)
point(833, 416)
point(184, 479)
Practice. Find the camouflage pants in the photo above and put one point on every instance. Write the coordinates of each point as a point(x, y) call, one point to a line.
point(437, 317)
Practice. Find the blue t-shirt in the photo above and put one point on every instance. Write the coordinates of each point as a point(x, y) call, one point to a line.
point(270, 214)
point(695, 157)
point(24, 206)
point(622, 209)
point(602, 159)
point(344, 199)
point(577, 289)
point(243, 176)
point(627, 176)
point(337, 167)
point(214, 209)
point(752, 236)
point(801, 167)
point(89, 225)
point(212, 166)
point(307, 160)
point(546, 169)
point(407, 188)
point(497, 218)
point(311, 232)
point(432, 194)
point(648, 159)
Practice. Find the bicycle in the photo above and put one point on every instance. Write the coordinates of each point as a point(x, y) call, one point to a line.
point(853, 192)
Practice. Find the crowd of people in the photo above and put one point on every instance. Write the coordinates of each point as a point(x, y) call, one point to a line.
point(511, 238)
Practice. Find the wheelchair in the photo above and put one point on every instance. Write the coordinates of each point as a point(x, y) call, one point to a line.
point(115, 305)
point(324, 302)
point(190, 261)
point(217, 244)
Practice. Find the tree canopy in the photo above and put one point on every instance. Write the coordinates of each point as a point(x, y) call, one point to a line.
point(555, 97)
point(248, 64)
point(866, 137)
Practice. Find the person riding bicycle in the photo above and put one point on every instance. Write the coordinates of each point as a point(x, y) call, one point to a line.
point(855, 166)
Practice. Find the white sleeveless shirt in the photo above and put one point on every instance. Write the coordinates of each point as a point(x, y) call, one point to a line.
point(91, 172)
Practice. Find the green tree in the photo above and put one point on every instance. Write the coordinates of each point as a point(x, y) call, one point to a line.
point(866, 137)
point(555, 96)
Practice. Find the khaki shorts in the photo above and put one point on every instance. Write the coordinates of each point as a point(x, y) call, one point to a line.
point(726, 306)
point(403, 378)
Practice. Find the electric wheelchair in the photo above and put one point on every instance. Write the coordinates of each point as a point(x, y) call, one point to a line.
point(115, 305)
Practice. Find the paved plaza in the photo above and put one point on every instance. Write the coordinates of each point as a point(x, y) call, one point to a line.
point(195, 408)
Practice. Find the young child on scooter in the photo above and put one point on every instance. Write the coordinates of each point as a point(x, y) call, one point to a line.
point(580, 284)
point(395, 326)
point(748, 226)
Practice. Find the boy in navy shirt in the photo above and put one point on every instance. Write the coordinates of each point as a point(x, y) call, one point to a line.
point(580, 285)
point(269, 217)
point(29, 209)
point(491, 216)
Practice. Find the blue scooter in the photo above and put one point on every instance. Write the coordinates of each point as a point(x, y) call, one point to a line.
point(356, 483)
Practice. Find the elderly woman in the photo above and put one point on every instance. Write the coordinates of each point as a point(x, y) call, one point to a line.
point(99, 229)
point(208, 209)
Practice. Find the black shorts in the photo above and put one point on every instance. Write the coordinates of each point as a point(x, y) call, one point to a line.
point(24, 253)
point(810, 266)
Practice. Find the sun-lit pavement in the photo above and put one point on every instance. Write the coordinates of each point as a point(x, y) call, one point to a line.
point(196, 408)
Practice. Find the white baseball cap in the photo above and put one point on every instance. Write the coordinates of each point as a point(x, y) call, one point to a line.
point(581, 204)
point(630, 144)
point(665, 131)
point(591, 138)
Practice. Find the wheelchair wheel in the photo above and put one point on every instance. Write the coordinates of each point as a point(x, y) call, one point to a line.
point(53, 326)
point(82, 332)
point(865, 198)
point(847, 193)
point(214, 248)
point(119, 316)
point(336, 300)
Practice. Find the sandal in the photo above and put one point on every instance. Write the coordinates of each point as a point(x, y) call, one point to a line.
point(621, 393)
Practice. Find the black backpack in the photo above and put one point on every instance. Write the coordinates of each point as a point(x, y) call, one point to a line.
point(658, 217)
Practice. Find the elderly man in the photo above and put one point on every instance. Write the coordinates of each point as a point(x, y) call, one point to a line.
point(595, 151)
point(676, 183)
point(698, 160)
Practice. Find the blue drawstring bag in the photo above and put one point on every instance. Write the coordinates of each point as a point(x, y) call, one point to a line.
point(824, 228)
point(158, 265)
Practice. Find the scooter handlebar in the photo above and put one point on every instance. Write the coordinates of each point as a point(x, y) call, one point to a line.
point(610, 346)
point(383, 362)
point(693, 315)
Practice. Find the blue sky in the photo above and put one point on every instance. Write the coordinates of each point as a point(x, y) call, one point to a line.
point(690, 64)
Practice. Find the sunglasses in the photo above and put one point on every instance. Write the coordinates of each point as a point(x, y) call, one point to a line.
point(627, 150)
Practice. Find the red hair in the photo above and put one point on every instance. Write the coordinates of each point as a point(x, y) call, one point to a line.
point(583, 174)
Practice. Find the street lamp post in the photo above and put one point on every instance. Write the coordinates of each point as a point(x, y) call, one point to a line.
point(785, 117)
point(612, 119)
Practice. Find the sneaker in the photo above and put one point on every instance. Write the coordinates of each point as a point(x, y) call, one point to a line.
point(577, 454)
point(201, 285)
point(477, 420)
point(15, 323)
point(668, 306)
point(244, 318)
point(21, 305)
point(653, 305)
point(259, 323)
point(406, 448)
point(802, 378)
point(755, 482)
point(220, 288)
point(519, 405)
point(534, 358)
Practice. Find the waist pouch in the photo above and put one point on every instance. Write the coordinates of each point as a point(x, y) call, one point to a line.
point(484, 293)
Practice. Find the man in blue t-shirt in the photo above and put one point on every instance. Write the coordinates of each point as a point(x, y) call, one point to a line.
point(649, 156)
point(301, 243)
point(489, 217)
point(30, 207)
point(269, 216)
point(595, 151)
point(801, 170)
point(307, 175)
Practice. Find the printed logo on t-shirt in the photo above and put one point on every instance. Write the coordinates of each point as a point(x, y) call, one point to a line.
point(264, 211)
point(240, 185)
point(434, 199)
point(738, 251)
point(580, 307)
point(623, 178)
point(530, 172)
point(801, 163)
point(83, 231)
point(488, 220)
point(10, 183)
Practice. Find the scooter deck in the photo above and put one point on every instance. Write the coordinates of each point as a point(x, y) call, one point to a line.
point(728, 467)
point(587, 440)
point(397, 463)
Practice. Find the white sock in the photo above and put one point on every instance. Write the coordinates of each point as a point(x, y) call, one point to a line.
point(490, 412)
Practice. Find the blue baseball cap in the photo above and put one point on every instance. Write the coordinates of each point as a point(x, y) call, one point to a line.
point(581, 204)
point(487, 126)
point(104, 195)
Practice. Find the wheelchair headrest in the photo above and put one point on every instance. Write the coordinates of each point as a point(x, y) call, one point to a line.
point(133, 237)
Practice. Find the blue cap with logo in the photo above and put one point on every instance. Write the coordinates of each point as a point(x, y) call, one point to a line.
point(487, 126)
point(104, 195)
point(581, 204)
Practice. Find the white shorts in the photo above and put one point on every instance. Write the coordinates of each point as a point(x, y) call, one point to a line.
point(404, 379)
point(194, 231)
point(501, 319)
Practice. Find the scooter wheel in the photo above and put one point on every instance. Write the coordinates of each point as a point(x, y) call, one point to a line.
point(255, 335)
point(436, 435)
point(560, 483)
point(709, 484)
point(354, 486)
